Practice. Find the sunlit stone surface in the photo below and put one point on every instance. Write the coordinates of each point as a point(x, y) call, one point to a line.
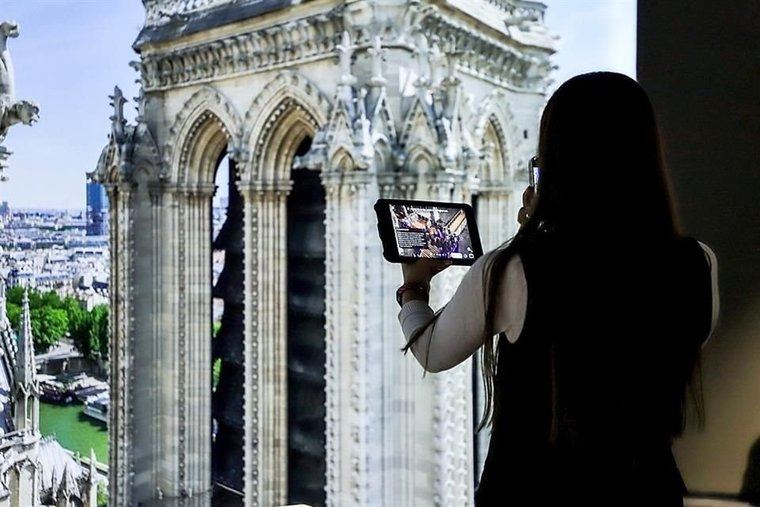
point(316, 404)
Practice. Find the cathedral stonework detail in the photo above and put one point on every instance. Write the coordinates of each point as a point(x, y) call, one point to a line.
point(320, 107)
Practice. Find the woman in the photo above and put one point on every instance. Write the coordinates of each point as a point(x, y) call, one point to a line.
point(600, 304)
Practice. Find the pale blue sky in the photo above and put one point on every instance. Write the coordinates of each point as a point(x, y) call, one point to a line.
point(595, 35)
point(68, 57)
point(71, 53)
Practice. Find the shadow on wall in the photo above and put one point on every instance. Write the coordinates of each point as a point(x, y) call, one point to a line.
point(751, 483)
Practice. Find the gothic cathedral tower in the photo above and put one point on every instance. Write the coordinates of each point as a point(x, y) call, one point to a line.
point(312, 110)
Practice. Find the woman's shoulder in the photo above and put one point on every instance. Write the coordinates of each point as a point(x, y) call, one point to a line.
point(484, 261)
point(507, 261)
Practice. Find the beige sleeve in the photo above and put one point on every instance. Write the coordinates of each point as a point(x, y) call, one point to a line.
point(459, 330)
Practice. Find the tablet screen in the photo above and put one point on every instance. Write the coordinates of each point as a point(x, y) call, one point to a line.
point(432, 231)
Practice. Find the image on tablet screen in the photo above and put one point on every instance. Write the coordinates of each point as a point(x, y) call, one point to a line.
point(436, 232)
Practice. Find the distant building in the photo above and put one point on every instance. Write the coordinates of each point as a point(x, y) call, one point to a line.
point(19, 277)
point(97, 210)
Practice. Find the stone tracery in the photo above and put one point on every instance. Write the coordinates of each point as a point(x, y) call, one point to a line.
point(332, 75)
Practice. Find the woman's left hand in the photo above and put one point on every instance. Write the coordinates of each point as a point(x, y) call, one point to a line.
point(423, 270)
point(528, 205)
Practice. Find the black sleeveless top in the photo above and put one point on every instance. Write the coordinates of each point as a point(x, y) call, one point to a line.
point(590, 393)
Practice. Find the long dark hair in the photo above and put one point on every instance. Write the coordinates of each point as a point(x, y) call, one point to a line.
point(598, 132)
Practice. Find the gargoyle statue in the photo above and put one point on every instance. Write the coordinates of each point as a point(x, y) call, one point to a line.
point(11, 110)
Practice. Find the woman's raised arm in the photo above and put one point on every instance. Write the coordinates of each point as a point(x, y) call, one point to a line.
point(458, 331)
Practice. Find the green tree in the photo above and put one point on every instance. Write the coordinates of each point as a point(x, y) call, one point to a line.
point(48, 326)
point(99, 330)
point(14, 295)
point(79, 326)
point(216, 367)
point(49, 320)
point(53, 318)
point(48, 299)
point(14, 314)
point(102, 495)
point(215, 371)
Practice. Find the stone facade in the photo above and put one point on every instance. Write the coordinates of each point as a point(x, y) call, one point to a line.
point(435, 101)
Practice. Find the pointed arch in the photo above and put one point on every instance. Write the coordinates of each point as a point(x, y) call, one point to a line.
point(338, 135)
point(494, 168)
point(382, 121)
point(289, 108)
point(383, 155)
point(207, 123)
point(420, 160)
point(341, 161)
point(419, 126)
point(495, 123)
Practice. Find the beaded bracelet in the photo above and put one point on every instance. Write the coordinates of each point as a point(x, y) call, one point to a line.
point(418, 287)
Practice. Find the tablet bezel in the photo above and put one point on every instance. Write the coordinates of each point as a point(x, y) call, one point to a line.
point(388, 235)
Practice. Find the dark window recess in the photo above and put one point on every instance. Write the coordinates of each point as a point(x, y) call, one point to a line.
point(227, 347)
point(306, 337)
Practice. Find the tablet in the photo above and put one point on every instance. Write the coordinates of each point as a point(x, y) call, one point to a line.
point(411, 230)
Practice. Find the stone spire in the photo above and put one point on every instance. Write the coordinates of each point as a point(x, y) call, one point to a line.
point(90, 493)
point(25, 367)
point(27, 408)
point(68, 490)
point(7, 338)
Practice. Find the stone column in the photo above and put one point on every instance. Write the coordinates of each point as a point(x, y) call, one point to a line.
point(168, 208)
point(494, 214)
point(120, 415)
point(161, 340)
point(452, 410)
point(407, 396)
point(265, 348)
point(195, 384)
point(352, 284)
point(186, 353)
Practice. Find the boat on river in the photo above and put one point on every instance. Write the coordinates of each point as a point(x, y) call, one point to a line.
point(97, 409)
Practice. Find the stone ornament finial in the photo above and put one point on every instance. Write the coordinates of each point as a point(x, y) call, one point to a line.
point(117, 119)
point(421, 57)
point(452, 55)
point(345, 54)
point(376, 51)
point(435, 60)
point(12, 111)
point(25, 374)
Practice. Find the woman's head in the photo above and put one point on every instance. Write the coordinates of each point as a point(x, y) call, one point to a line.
point(602, 172)
point(602, 184)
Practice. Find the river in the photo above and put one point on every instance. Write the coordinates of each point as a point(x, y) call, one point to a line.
point(74, 430)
